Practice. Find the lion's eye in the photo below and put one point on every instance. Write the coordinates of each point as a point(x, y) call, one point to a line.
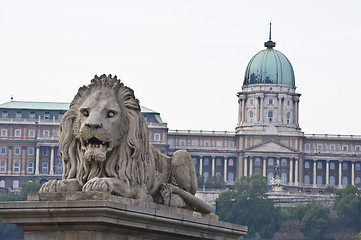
point(85, 113)
point(111, 114)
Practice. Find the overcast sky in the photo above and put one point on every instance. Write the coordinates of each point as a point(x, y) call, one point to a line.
point(185, 59)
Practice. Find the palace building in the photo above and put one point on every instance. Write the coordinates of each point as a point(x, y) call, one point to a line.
point(267, 133)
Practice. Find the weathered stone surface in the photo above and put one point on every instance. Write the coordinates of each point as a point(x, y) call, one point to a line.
point(105, 147)
point(95, 215)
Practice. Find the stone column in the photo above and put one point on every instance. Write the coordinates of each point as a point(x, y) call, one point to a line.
point(201, 165)
point(250, 166)
point(340, 174)
point(353, 172)
point(37, 160)
point(240, 165)
point(213, 165)
point(264, 167)
point(225, 169)
point(297, 113)
point(327, 172)
point(257, 109)
point(245, 159)
point(279, 109)
point(240, 111)
point(291, 172)
point(52, 160)
point(10, 160)
point(261, 109)
point(314, 172)
point(23, 160)
point(296, 172)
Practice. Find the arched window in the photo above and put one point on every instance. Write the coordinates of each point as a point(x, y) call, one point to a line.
point(357, 166)
point(319, 165)
point(59, 168)
point(284, 177)
point(45, 151)
point(250, 116)
point(218, 162)
point(332, 181)
point(357, 179)
point(288, 117)
point(3, 166)
point(332, 166)
point(205, 175)
point(270, 116)
point(44, 167)
point(269, 177)
point(344, 181)
point(270, 162)
point(2, 183)
point(156, 137)
point(16, 167)
point(206, 162)
point(344, 166)
point(3, 151)
point(307, 179)
point(284, 162)
point(230, 177)
point(31, 151)
point(319, 180)
point(230, 162)
point(17, 151)
point(30, 167)
point(257, 161)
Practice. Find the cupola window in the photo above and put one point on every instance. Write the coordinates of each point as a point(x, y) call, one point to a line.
point(270, 116)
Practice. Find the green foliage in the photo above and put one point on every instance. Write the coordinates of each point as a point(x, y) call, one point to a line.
point(200, 181)
point(215, 182)
point(315, 220)
point(313, 217)
point(348, 207)
point(29, 187)
point(248, 205)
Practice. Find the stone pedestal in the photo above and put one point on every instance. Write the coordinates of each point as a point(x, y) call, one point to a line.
point(95, 215)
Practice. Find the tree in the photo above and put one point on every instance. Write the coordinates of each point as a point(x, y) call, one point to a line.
point(348, 206)
point(248, 205)
point(215, 182)
point(315, 220)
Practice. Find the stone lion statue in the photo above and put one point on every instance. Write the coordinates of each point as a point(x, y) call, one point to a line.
point(105, 147)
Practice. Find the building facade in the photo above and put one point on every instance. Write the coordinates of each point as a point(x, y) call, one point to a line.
point(267, 133)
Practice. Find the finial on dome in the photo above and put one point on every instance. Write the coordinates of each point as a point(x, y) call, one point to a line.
point(270, 44)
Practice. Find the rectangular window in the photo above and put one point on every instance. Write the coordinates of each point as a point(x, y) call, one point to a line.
point(231, 144)
point(319, 147)
point(207, 144)
point(219, 144)
point(5, 114)
point(17, 133)
point(270, 101)
point(60, 116)
point(251, 102)
point(182, 143)
point(4, 132)
point(332, 147)
point(357, 148)
point(344, 147)
point(17, 151)
point(46, 133)
point(194, 143)
point(307, 164)
point(46, 115)
point(19, 115)
point(32, 115)
point(2, 166)
point(307, 146)
point(31, 133)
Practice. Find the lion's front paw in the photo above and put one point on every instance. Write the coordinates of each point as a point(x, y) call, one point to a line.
point(99, 184)
point(51, 186)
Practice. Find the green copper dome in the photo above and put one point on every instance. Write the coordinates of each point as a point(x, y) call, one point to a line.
point(269, 66)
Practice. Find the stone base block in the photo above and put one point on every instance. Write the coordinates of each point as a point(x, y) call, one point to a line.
point(98, 216)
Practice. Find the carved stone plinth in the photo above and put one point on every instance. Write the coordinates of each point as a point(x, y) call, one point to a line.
point(96, 215)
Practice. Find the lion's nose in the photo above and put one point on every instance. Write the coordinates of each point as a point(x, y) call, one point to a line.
point(93, 125)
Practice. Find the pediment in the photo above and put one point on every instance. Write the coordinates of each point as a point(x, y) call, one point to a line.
point(271, 146)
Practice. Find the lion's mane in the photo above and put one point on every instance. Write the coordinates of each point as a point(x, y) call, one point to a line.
point(126, 162)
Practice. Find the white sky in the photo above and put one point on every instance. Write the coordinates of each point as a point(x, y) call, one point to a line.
point(185, 59)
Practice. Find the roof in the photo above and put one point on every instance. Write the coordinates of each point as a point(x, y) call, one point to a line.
point(35, 105)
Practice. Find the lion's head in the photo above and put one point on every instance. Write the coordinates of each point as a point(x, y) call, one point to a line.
point(104, 134)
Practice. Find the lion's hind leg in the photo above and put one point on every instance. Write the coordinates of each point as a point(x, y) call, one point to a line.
point(183, 171)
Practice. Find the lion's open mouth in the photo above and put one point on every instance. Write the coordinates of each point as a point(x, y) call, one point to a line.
point(96, 149)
